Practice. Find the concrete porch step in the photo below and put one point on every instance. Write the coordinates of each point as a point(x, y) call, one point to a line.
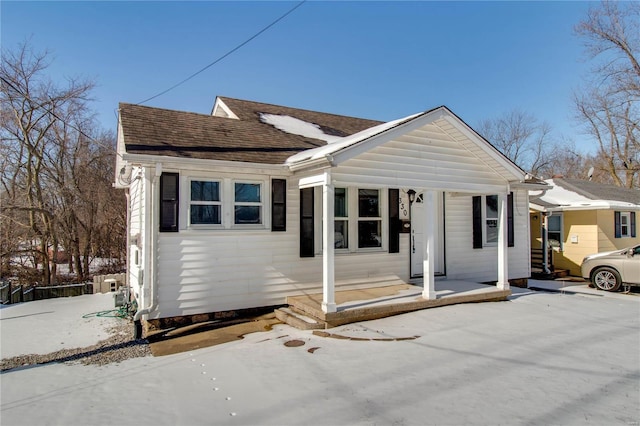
point(299, 320)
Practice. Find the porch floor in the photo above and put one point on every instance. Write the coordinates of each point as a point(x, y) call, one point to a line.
point(379, 302)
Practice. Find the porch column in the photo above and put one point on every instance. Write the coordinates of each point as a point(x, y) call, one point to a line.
point(503, 240)
point(428, 241)
point(328, 247)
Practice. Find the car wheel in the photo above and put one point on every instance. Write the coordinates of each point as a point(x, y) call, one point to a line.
point(607, 279)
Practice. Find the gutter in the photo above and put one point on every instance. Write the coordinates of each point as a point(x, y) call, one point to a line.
point(150, 248)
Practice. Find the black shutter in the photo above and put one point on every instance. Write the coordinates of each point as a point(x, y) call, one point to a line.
point(169, 202)
point(477, 222)
point(633, 224)
point(617, 224)
point(278, 205)
point(510, 227)
point(307, 246)
point(394, 221)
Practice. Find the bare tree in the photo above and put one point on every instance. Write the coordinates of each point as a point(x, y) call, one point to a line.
point(519, 136)
point(609, 107)
point(56, 170)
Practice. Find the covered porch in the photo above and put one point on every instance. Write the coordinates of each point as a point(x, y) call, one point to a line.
point(429, 155)
point(306, 312)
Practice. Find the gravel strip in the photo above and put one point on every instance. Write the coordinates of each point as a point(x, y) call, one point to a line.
point(119, 347)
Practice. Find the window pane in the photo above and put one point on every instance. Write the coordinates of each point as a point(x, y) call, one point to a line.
point(341, 234)
point(247, 215)
point(205, 191)
point(492, 206)
point(369, 233)
point(340, 209)
point(492, 230)
point(553, 223)
point(368, 203)
point(247, 193)
point(205, 215)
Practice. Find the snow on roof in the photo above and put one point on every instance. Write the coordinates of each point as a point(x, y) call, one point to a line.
point(323, 151)
point(564, 199)
point(296, 126)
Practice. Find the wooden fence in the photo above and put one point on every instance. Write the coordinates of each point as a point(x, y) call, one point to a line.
point(13, 293)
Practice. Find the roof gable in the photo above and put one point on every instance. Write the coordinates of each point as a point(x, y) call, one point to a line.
point(438, 120)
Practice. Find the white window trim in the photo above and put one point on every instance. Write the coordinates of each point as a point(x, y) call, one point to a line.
point(353, 219)
point(486, 243)
point(189, 203)
point(227, 202)
point(561, 241)
point(345, 219)
point(261, 204)
point(627, 216)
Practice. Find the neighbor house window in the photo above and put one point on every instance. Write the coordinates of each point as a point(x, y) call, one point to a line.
point(205, 205)
point(247, 203)
point(625, 224)
point(625, 221)
point(369, 218)
point(554, 230)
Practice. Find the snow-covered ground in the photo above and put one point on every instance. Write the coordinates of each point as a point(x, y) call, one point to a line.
point(539, 358)
point(45, 326)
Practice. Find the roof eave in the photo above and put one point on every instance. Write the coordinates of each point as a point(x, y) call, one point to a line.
point(146, 160)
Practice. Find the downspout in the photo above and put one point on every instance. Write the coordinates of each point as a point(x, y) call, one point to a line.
point(545, 244)
point(127, 280)
point(150, 249)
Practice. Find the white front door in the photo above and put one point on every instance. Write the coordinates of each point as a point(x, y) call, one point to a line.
point(417, 236)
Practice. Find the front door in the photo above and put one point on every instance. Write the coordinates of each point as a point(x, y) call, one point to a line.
point(417, 236)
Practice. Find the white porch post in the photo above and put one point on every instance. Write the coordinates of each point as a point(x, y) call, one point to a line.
point(428, 241)
point(328, 248)
point(503, 240)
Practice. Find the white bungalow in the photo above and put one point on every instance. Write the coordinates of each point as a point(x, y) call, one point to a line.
point(256, 202)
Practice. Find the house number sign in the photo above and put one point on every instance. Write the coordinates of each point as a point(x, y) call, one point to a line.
point(404, 207)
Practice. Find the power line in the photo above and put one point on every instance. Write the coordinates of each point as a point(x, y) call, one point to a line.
point(226, 54)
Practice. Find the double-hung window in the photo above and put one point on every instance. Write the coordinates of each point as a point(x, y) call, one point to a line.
point(625, 224)
point(205, 207)
point(369, 218)
point(247, 203)
point(554, 231)
point(625, 221)
point(341, 224)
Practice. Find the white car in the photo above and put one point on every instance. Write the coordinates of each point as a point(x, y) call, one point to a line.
point(609, 271)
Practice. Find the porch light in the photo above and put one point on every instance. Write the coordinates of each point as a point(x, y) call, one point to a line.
point(412, 195)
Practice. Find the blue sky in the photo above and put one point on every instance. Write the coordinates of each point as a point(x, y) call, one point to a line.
point(381, 60)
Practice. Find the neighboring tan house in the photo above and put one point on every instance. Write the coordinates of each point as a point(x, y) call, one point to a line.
point(257, 202)
point(583, 218)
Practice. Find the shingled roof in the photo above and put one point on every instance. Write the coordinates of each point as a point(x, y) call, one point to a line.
point(156, 131)
point(576, 194)
point(599, 191)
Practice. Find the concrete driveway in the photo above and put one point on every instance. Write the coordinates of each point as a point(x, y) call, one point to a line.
point(539, 358)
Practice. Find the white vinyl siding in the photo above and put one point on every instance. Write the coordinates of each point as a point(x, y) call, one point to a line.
point(216, 270)
point(136, 231)
point(465, 263)
point(443, 163)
